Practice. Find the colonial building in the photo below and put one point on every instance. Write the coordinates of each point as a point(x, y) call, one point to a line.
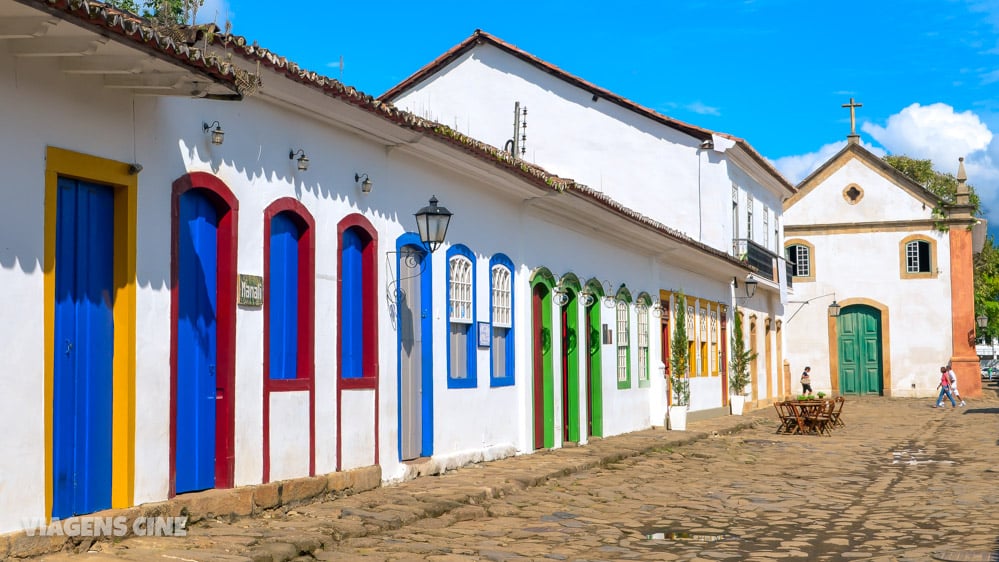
point(213, 277)
point(712, 188)
point(897, 260)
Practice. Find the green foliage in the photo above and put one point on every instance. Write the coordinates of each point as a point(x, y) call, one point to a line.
point(940, 184)
point(741, 360)
point(127, 5)
point(679, 360)
point(986, 266)
point(163, 12)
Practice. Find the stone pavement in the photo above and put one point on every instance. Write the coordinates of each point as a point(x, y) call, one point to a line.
point(902, 481)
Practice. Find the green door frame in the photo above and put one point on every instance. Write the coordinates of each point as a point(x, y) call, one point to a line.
point(594, 347)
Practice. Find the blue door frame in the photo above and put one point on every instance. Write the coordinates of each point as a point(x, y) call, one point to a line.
point(427, 349)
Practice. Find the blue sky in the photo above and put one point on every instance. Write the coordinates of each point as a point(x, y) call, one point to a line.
point(774, 72)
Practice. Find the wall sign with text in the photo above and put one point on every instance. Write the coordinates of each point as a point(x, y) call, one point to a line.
point(250, 290)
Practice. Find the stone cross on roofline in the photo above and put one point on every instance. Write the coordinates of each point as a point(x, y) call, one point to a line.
point(853, 137)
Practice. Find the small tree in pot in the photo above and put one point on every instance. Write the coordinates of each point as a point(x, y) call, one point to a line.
point(679, 362)
point(742, 358)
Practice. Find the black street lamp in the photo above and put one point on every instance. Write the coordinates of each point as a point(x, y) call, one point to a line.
point(432, 222)
point(834, 308)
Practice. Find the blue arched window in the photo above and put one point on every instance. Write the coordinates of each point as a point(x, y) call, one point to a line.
point(358, 324)
point(501, 320)
point(288, 292)
point(461, 343)
point(284, 295)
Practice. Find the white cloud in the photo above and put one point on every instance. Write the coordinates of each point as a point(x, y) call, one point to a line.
point(990, 77)
point(797, 168)
point(933, 131)
point(942, 135)
point(702, 109)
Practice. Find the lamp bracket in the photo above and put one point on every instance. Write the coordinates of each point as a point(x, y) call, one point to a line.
point(804, 302)
point(392, 296)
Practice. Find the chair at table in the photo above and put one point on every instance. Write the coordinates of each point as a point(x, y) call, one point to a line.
point(837, 420)
point(821, 418)
point(787, 419)
point(799, 421)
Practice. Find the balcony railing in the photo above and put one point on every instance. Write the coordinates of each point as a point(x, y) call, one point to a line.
point(761, 260)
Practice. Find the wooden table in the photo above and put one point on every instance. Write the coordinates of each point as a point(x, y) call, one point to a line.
point(807, 416)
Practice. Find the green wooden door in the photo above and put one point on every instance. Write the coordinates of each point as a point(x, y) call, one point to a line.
point(570, 370)
point(859, 348)
point(594, 379)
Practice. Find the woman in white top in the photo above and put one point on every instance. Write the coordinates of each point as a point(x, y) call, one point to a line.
point(953, 385)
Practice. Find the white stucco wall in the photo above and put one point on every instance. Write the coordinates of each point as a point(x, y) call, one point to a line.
point(22, 489)
point(881, 200)
point(639, 162)
point(289, 415)
point(357, 429)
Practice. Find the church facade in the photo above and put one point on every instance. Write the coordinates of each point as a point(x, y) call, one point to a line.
point(897, 262)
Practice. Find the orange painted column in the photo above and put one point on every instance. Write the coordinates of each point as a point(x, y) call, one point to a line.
point(964, 360)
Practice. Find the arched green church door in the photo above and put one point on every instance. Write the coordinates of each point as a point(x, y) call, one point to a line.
point(859, 347)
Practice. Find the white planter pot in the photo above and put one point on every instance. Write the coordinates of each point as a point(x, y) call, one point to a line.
point(678, 418)
point(738, 402)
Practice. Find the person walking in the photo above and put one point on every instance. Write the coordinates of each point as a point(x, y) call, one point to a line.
point(944, 387)
point(806, 382)
point(953, 386)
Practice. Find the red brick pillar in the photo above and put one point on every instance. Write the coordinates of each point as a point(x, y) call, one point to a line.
point(964, 360)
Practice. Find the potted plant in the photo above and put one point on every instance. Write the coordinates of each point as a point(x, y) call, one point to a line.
point(742, 358)
point(679, 362)
point(820, 394)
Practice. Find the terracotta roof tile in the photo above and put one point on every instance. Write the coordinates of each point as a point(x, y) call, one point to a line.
point(133, 29)
point(136, 32)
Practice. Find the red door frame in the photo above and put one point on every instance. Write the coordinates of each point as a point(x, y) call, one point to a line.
point(306, 326)
point(225, 410)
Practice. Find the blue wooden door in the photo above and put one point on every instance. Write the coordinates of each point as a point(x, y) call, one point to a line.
point(197, 286)
point(84, 348)
point(283, 281)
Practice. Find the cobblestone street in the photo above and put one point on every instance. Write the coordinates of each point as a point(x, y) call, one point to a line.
point(901, 481)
